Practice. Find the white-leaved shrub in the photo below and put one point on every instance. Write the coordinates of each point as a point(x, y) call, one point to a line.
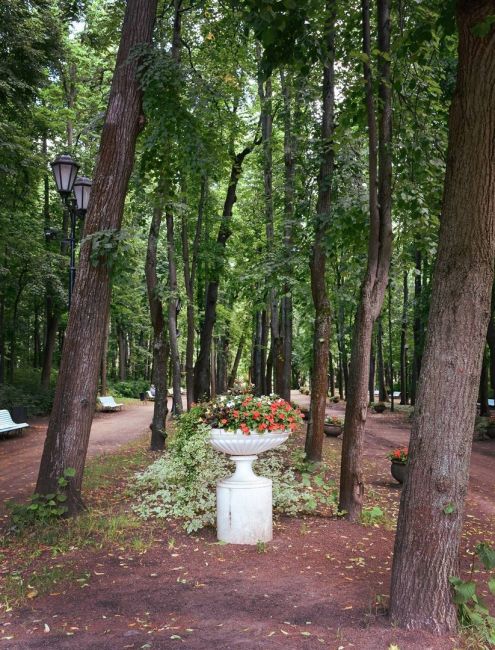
point(182, 484)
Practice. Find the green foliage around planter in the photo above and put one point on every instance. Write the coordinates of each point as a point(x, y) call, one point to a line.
point(472, 612)
point(181, 484)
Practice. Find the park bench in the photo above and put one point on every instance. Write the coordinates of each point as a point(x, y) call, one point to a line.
point(7, 424)
point(109, 404)
point(149, 395)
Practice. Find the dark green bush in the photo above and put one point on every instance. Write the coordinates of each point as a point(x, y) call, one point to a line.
point(130, 388)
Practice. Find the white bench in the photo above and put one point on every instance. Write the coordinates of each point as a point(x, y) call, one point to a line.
point(109, 404)
point(149, 395)
point(8, 424)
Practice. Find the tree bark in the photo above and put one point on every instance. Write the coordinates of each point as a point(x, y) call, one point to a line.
point(160, 339)
point(104, 364)
point(283, 347)
point(173, 296)
point(321, 334)
point(75, 398)
point(237, 360)
point(433, 497)
point(202, 367)
point(379, 254)
point(382, 388)
point(417, 325)
point(403, 341)
point(483, 389)
point(189, 282)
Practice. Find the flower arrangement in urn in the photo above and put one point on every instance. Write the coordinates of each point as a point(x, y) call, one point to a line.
point(400, 455)
point(248, 414)
point(399, 458)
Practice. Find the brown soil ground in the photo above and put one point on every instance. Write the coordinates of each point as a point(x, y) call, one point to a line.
point(20, 454)
point(321, 583)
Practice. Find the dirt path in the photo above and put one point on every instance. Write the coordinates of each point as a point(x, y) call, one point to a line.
point(20, 455)
point(322, 582)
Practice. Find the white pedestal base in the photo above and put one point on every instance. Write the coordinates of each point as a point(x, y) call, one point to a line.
point(244, 505)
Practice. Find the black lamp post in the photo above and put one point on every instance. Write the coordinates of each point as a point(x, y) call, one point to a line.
point(75, 192)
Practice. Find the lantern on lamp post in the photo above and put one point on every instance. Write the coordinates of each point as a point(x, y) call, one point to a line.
point(75, 192)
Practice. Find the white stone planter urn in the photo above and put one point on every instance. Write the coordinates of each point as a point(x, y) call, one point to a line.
point(244, 500)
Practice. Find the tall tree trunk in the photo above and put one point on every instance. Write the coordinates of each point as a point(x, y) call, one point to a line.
point(283, 347)
point(390, 351)
point(321, 334)
point(172, 315)
point(403, 341)
point(173, 297)
point(104, 360)
point(382, 388)
point(75, 398)
point(331, 374)
point(202, 367)
point(379, 254)
point(371, 375)
point(160, 340)
point(2, 339)
point(237, 360)
point(432, 502)
point(483, 389)
point(189, 282)
point(122, 345)
point(417, 325)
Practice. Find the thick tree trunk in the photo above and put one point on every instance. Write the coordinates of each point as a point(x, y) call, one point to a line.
point(321, 334)
point(202, 367)
point(104, 360)
point(432, 501)
point(75, 398)
point(379, 254)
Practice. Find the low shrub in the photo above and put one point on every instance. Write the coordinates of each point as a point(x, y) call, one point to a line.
point(37, 402)
point(181, 484)
point(128, 388)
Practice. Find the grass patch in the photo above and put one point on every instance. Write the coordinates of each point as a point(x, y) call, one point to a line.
point(18, 587)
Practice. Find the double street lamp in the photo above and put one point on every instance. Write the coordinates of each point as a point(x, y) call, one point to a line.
point(74, 191)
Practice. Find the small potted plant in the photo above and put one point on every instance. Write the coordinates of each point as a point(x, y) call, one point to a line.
point(398, 458)
point(333, 426)
point(378, 407)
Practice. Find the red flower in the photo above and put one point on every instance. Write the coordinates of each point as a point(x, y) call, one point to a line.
point(224, 421)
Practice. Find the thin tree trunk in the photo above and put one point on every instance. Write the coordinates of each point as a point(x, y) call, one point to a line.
point(483, 389)
point(331, 374)
point(321, 334)
point(379, 254)
point(75, 398)
point(122, 344)
point(433, 497)
point(160, 339)
point(283, 348)
point(173, 296)
point(390, 352)
point(172, 315)
point(189, 281)
point(104, 358)
point(403, 341)
point(417, 325)
point(371, 375)
point(202, 367)
point(382, 389)
point(237, 360)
